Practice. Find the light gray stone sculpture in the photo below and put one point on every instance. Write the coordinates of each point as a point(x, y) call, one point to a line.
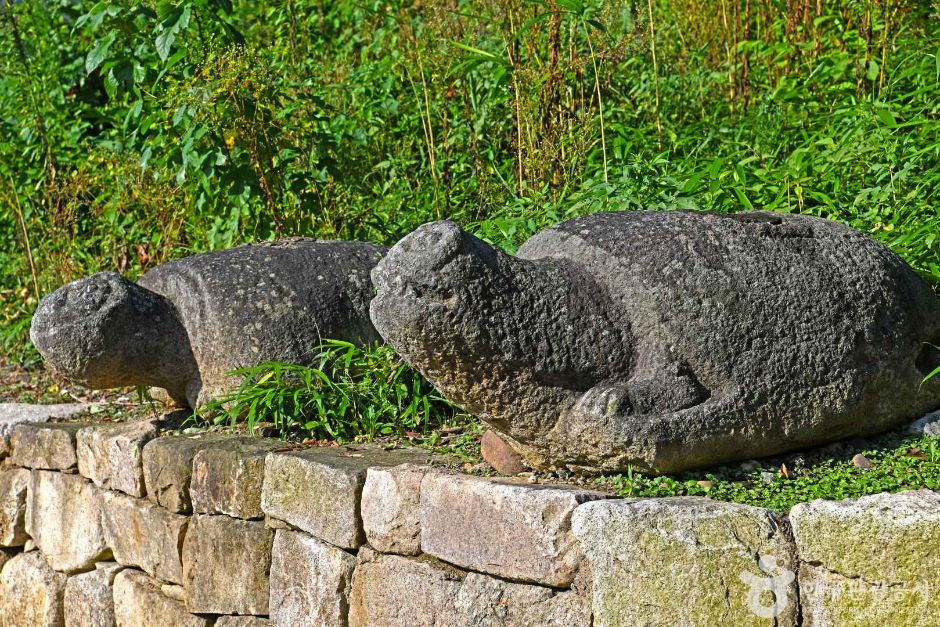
point(186, 324)
point(665, 340)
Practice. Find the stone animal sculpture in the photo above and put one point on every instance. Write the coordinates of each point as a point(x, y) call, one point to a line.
point(186, 324)
point(665, 340)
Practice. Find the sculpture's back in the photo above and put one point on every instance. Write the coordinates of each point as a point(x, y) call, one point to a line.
point(267, 302)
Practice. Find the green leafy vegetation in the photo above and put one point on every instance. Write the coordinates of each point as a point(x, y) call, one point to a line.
point(132, 133)
point(347, 393)
point(897, 462)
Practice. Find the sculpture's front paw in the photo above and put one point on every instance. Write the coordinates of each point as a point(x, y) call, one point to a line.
point(605, 400)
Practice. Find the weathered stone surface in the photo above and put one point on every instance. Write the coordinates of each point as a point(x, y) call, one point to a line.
point(6, 555)
point(870, 561)
point(318, 489)
point(512, 530)
point(393, 591)
point(173, 591)
point(138, 602)
point(274, 523)
point(104, 331)
point(310, 581)
point(665, 340)
point(63, 517)
point(188, 323)
point(227, 478)
point(49, 446)
point(30, 592)
point(484, 601)
point(927, 425)
point(12, 414)
point(687, 561)
point(500, 455)
point(243, 621)
point(391, 515)
point(89, 597)
point(112, 455)
point(144, 535)
point(226, 563)
point(168, 468)
point(13, 485)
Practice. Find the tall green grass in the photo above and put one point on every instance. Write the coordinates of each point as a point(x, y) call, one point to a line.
point(132, 133)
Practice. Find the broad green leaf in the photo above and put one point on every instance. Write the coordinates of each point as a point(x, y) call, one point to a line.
point(96, 15)
point(99, 53)
point(886, 118)
point(693, 182)
point(172, 25)
point(111, 83)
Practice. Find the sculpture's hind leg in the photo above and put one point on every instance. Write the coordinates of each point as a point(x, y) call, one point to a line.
point(674, 389)
point(611, 426)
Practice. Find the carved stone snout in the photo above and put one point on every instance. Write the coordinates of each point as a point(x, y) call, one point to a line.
point(105, 331)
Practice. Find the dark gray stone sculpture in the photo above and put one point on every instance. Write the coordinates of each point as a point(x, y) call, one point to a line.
point(187, 323)
point(665, 340)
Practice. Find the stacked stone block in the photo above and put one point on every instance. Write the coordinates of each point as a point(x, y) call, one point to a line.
point(870, 561)
point(118, 525)
point(436, 528)
point(102, 531)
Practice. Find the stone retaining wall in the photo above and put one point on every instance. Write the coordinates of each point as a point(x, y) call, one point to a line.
point(116, 524)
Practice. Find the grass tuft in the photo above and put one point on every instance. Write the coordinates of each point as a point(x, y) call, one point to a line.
point(897, 462)
point(346, 393)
